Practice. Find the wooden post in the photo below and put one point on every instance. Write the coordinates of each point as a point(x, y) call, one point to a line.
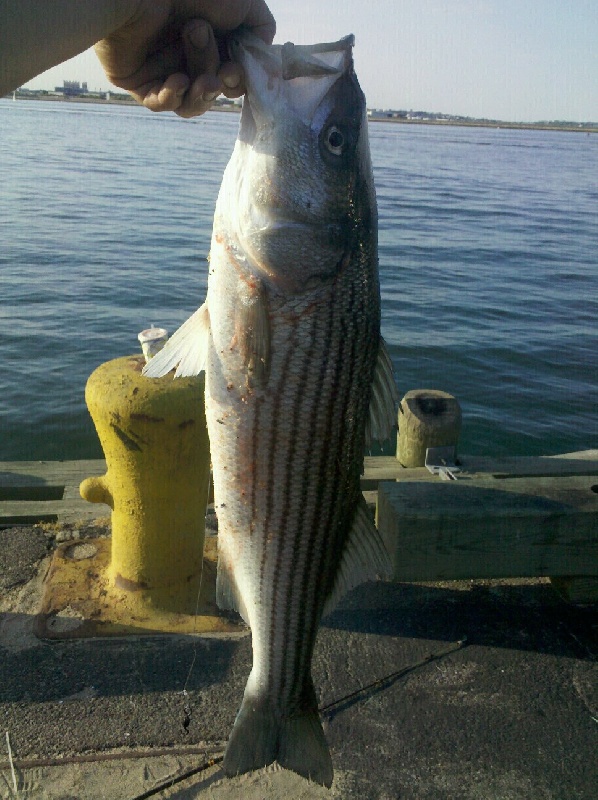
point(427, 418)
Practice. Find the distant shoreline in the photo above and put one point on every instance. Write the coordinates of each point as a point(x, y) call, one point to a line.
point(524, 126)
point(464, 123)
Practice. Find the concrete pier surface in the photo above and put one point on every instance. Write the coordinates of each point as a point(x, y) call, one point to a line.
point(470, 690)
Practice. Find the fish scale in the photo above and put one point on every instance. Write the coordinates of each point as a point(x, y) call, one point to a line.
point(306, 478)
point(289, 337)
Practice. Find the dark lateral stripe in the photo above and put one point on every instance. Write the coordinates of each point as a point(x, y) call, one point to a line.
point(330, 497)
point(313, 577)
point(255, 439)
point(319, 349)
point(351, 449)
point(278, 542)
point(291, 513)
point(271, 444)
point(344, 491)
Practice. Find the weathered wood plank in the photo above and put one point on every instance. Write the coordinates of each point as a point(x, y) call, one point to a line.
point(32, 473)
point(379, 468)
point(30, 512)
point(490, 528)
point(47, 491)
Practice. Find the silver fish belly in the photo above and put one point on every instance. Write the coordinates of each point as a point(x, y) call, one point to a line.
point(297, 379)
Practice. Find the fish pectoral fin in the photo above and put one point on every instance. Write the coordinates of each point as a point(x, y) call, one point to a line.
point(364, 558)
point(252, 328)
point(385, 397)
point(261, 735)
point(187, 348)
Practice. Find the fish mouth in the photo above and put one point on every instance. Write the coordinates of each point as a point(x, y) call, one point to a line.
point(277, 222)
point(294, 60)
point(271, 241)
point(270, 68)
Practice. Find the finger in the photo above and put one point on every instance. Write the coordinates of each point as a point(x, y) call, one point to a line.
point(202, 60)
point(252, 14)
point(166, 96)
point(155, 71)
point(261, 21)
point(124, 69)
point(200, 49)
point(232, 79)
point(199, 97)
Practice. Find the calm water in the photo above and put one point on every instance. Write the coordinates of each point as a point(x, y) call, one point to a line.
point(488, 260)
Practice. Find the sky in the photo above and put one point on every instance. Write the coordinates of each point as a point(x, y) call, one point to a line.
point(516, 60)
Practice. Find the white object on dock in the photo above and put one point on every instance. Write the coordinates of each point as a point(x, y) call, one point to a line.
point(152, 340)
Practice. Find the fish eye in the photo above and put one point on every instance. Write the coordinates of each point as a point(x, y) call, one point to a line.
point(335, 141)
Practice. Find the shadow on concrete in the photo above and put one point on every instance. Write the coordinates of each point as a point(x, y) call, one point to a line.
point(521, 615)
point(48, 671)
point(92, 695)
point(163, 691)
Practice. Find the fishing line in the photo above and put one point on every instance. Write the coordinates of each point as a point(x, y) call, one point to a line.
point(187, 706)
point(388, 680)
point(381, 683)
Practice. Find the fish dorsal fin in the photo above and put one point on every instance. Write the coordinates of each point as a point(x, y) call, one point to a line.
point(385, 397)
point(187, 349)
point(364, 558)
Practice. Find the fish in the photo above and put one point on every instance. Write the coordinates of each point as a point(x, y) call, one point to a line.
point(298, 381)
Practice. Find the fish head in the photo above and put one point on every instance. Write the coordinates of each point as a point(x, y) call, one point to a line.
point(300, 188)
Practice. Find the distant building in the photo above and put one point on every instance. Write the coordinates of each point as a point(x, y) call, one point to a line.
point(72, 88)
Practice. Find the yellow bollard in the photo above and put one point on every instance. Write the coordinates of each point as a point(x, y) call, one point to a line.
point(154, 437)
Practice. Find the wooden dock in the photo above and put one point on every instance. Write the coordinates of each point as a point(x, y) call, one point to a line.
point(501, 517)
point(47, 491)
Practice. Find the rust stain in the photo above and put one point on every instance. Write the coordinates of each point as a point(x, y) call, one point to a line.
point(186, 423)
point(137, 363)
point(146, 418)
point(129, 443)
point(128, 585)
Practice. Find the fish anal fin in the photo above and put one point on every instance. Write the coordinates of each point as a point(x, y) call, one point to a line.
point(186, 349)
point(385, 397)
point(252, 329)
point(364, 558)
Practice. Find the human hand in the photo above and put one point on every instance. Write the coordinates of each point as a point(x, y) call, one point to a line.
point(171, 55)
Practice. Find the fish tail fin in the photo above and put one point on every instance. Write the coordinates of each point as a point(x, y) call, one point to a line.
point(297, 742)
point(303, 747)
point(253, 742)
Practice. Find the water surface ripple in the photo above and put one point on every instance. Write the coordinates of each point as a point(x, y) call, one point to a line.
point(487, 259)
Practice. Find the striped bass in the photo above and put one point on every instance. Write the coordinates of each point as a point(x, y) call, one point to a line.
point(297, 381)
